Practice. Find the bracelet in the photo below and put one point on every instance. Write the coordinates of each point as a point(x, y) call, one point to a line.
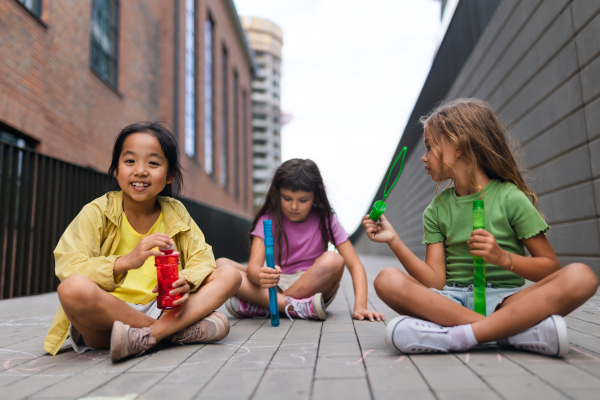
point(511, 261)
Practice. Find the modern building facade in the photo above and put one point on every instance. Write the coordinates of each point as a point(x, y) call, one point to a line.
point(73, 74)
point(537, 63)
point(266, 40)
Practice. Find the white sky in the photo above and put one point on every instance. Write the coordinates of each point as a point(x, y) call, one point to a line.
point(351, 73)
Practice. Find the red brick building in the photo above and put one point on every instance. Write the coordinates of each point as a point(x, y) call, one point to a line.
point(73, 73)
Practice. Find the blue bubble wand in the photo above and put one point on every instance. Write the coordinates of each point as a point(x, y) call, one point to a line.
point(269, 252)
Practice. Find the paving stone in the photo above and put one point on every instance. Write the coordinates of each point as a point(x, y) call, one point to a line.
point(128, 383)
point(336, 337)
point(260, 345)
point(396, 377)
point(364, 328)
point(564, 376)
point(299, 343)
point(339, 349)
point(339, 367)
point(449, 377)
point(249, 360)
point(482, 394)
point(293, 359)
point(75, 386)
point(343, 327)
point(198, 372)
point(372, 342)
point(490, 363)
point(435, 359)
point(404, 394)
point(285, 384)
point(525, 387)
point(347, 389)
point(170, 391)
point(166, 359)
point(214, 352)
point(231, 384)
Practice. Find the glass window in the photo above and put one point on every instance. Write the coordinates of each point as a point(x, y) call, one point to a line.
point(35, 6)
point(208, 97)
point(236, 137)
point(245, 167)
point(190, 80)
point(105, 39)
point(224, 144)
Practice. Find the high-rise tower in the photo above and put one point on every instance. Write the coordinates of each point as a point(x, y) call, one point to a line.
point(266, 40)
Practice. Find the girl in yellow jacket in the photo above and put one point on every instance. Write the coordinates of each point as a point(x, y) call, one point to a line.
point(105, 258)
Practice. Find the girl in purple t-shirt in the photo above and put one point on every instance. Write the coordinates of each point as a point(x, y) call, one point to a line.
point(307, 276)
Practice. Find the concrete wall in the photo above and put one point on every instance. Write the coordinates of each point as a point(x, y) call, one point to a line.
point(538, 65)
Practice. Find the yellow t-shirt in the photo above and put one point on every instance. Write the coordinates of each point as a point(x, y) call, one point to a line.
point(138, 285)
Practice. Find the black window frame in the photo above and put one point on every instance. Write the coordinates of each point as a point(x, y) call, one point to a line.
point(35, 12)
point(97, 51)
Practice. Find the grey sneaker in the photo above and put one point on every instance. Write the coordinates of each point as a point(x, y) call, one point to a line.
point(126, 341)
point(413, 336)
point(549, 337)
point(212, 328)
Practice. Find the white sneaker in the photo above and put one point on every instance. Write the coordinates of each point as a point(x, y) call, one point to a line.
point(412, 335)
point(549, 337)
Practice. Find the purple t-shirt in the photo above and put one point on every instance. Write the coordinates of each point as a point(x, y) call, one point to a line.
point(305, 241)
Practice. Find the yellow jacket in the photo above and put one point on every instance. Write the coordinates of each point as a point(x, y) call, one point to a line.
point(87, 248)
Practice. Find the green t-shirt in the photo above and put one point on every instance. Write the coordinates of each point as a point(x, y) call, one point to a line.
point(509, 216)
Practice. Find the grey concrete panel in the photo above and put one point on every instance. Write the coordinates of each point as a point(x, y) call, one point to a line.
point(523, 387)
point(574, 203)
point(347, 389)
point(489, 37)
point(583, 10)
point(592, 119)
point(535, 26)
point(569, 169)
point(285, 384)
point(503, 40)
point(562, 67)
point(597, 195)
point(595, 158)
point(559, 139)
point(592, 262)
point(590, 84)
point(554, 108)
point(588, 45)
point(577, 238)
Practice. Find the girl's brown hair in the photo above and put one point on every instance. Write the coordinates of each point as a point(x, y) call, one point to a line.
point(480, 136)
point(295, 175)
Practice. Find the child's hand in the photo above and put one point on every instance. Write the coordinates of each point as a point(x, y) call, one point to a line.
point(144, 249)
point(179, 286)
point(362, 313)
point(269, 277)
point(483, 244)
point(382, 232)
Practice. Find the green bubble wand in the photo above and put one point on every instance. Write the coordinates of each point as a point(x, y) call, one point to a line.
point(379, 207)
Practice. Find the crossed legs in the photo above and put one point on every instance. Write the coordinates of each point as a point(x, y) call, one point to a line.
point(559, 293)
point(323, 276)
point(93, 311)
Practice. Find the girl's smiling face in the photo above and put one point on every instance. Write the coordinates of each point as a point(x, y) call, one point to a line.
point(143, 170)
point(296, 205)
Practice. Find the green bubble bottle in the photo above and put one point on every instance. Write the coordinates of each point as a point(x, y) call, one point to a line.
point(478, 262)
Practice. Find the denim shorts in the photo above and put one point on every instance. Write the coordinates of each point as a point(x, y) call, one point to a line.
point(463, 295)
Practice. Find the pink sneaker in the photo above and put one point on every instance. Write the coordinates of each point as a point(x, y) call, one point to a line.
point(309, 308)
point(241, 309)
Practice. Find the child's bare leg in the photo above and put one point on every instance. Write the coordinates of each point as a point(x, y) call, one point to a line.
point(226, 261)
point(92, 311)
point(323, 276)
point(220, 285)
point(407, 296)
point(560, 293)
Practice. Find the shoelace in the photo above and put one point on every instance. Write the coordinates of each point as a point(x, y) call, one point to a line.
point(252, 309)
point(192, 332)
point(301, 307)
point(140, 339)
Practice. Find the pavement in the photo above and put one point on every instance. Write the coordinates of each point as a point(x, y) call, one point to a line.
point(336, 359)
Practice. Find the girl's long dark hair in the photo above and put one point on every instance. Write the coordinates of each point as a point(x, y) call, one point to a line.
point(295, 175)
point(169, 145)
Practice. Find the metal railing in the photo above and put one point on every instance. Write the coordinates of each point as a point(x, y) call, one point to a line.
point(40, 196)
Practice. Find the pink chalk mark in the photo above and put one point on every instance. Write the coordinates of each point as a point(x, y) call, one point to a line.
point(583, 352)
point(361, 358)
point(399, 359)
point(499, 357)
point(467, 356)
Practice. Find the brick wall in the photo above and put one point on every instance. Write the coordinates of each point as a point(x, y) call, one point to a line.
point(537, 64)
point(49, 93)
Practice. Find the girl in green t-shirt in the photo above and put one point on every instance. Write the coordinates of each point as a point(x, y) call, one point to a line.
point(466, 143)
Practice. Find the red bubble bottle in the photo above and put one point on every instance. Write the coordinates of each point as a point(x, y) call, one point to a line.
point(167, 272)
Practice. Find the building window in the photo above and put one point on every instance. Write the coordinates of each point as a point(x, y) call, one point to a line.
point(225, 110)
point(208, 97)
point(15, 140)
point(245, 166)
point(105, 39)
point(35, 6)
point(236, 136)
point(190, 80)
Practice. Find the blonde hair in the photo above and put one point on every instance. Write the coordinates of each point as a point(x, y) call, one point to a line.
point(481, 137)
